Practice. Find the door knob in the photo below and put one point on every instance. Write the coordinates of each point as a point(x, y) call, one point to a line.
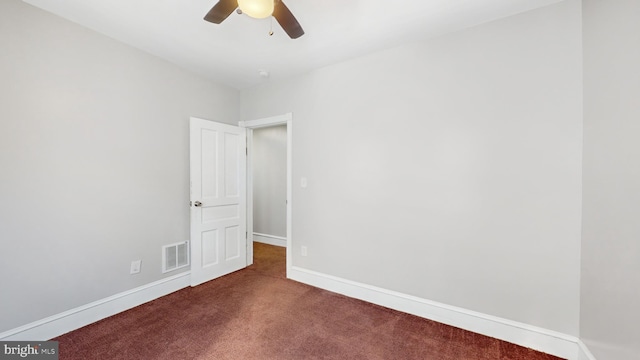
point(197, 204)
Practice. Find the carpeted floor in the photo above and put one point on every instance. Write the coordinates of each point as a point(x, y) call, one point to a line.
point(256, 313)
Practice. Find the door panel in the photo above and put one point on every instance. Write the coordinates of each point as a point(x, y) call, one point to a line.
point(218, 196)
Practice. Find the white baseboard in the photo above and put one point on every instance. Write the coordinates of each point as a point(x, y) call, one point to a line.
point(544, 340)
point(270, 239)
point(73, 319)
point(584, 353)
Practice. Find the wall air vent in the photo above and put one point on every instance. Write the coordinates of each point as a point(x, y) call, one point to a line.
point(175, 256)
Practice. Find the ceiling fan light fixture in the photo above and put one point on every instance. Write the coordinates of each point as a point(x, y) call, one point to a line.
point(258, 9)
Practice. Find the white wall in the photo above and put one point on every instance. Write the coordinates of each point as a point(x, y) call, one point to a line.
point(448, 169)
point(94, 168)
point(610, 314)
point(269, 153)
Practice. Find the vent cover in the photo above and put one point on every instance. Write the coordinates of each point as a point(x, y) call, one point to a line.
point(175, 256)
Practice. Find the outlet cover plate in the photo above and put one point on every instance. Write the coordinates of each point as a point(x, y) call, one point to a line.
point(135, 266)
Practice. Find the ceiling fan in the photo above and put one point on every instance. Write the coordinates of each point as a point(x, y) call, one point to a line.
point(257, 9)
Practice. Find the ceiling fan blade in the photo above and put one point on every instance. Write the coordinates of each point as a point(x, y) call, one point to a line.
point(221, 11)
point(286, 19)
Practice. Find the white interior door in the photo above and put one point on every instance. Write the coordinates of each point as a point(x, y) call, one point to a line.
point(218, 199)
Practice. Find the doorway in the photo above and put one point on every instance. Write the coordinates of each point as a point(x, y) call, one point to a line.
point(271, 122)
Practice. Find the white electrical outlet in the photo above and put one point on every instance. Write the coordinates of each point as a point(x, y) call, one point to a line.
point(135, 266)
point(303, 250)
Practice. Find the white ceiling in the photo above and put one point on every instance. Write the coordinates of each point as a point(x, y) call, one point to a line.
point(233, 52)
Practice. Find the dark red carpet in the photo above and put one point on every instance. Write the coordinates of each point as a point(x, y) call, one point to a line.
point(257, 313)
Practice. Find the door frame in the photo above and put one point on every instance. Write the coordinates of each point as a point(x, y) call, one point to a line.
point(285, 119)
